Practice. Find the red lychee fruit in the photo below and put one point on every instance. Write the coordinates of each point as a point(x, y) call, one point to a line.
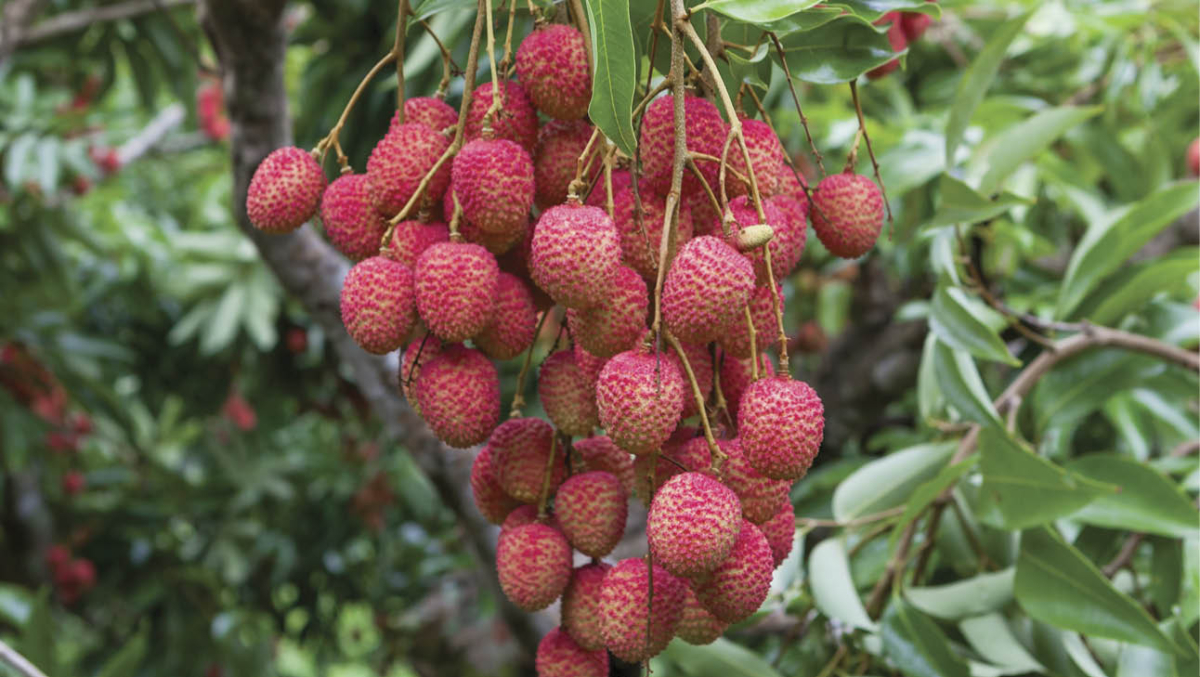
point(693, 522)
point(513, 323)
point(914, 24)
point(493, 182)
point(57, 557)
point(80, 185)
point(625, 598)
point(456, 289)
point(567, 396)
point(706, 219)
point(589, 364)
point(552, 63)
point(736, 340)
point(581, 605)
point(640, 399)
point(780, 531)
point(534, 564)
point(740, 584)
point(429, 111)
point(599, 453)
point(705, 290)
point(296, 340)
point(640, 240)
point(599, 195)
point(73, 483)
point(898, 41)
point(787, 244)
point(847, 214)
point(525, 514)
point(575, 254)
point(353, 226)
point(766, 157)
point(761, 497)
point(1193, 157)
point(780, 423)
point(239, 412)
point(591, 509)
point(559, 145)
point(377, 304)
point(700, 360)
point(558, 655)
point(490, 499)
point(516, 121)
point(617, 321)
point(697, 626)
point(398, 163)
point(682, 452)
point(419, 352)
point(496, 243)
point(411, 238)
point(705, 134)
point(736, 375)
point(459, 395)
point(285, 190)
point(520, 449)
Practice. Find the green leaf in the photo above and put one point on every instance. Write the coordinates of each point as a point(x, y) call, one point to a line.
point(38, 636)
point(1055, 583)
point(1080, 384)
point(615, 78)
point(1130, 288)
point(1137, 661)
point(917, 645)
point(980, 594)
point(838, 51)
point(222, 325)
point(722, 657)
point(887, 482)
point(962, 204)
point(992, 639)
point(1024, 140)
point(48, 168)
point(16, 157)
point(814, 17)
point(832, 586)
point(976, 81)
point(16, 604)
point(1145, 500)
point(872, 10)
point(928, 491)
point(1106, 246)
point(126, 661)
point(956, 321)
point(962, 385)
point(1029, 489)
point(930, 400)
point(756, 11)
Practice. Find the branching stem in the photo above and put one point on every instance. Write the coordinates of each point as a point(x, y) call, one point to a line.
point(718, 456)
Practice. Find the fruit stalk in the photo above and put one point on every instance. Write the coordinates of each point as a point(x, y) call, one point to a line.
point(518, 398)
point(546, 476)
point(331, 139)
point(448, 66)
point(784, 370)
point(497, 92)
point(753, 342)
point(787, 72)
point(672, 203)
point(718, 456)
point(398, 55)
point(862, 127)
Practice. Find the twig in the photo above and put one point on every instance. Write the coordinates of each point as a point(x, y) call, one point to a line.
point(448, 65)
point(544, 495)
point(718, 455)
point(862, 126)
point(519, 396)
point(73, 22)
point(973, 538)
point(787, 72)
point(1125, 556)
point(331, 139)
point(398, 55)
point(834, 662)
point(14, 660)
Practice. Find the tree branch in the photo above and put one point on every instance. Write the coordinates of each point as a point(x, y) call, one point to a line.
point(14, 660)
point(15, 17)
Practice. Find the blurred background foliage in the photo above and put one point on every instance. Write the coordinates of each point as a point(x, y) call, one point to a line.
point(193, 486)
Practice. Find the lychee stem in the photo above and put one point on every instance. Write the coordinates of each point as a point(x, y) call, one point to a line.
point(783, 341)
point(519, 397)
point(852, 157)
point(753, 342)
point(398, 52)
point(448, 65)
point(497, 93)
point(862, 126)
point(722, 405)
point(709, 192)
point(331, 139)
point(787, 72)
point(655, 25)
point(546, 475)
point(610, 150)
point(582, 24)
point(506, 60)
point(718, 456)
point(584, 159)
point(455, 219)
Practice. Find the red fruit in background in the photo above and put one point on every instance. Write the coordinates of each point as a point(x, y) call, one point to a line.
point(239, 411)
point(60, 441)
point(297, 340)
point(80, 185)
point(73, 483)
point(896, 37)
point(106, 159)
point(84, 573)
point(56, 557)
point(214, 670)
point(210, 110)
point(1193, 157)
point(914, 24)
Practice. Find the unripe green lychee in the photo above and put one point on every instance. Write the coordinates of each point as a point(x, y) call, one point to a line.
point(766, 157)
point(616, 323)
point(705, 134)
point(558, 655)
point(285, 190)
point(847, 214)
point(520, 449)
point(457, 286)
point(398, 163)
point(736, 340)
point(780, 531)
point(559, 145)
point(599, 453)
point(625, 601)
point(514, 320)
point(581, 606)
point(353, 226)
point(781, 423)
point(640, 399)
point(534, 565)
point(697, 626)
point(490, 499)
point(567, 396)
point(575, 254)
point(591, 509)
point(410, 239)
point(740, 584)
point(640, 239)
point(493, 182)
point(459, 395)
point(693, 522)
point(516, 121)
point(705, 290)
point(377, 304)
point(553, 65)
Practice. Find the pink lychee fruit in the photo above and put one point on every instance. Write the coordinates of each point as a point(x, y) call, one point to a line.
point(640, 399)
point(705, 290)
point(559, 145)
point(847, 214)
point(736, 340)
point(429, 111)
point(640, 239)
point(625, 609)
point(457, 286)
point(1193, 157)
point(459, 395)
point(739, 585)
point(761, 496)
point(490, 499)
point(285, 190)
point(914, 24)
point(419, 352)
point(705, 134)
point(599, 195)
point(736, 376)
point(617, 321)
point(493, 182)
point(781, 423)
point(516, 121)
point(558, 655)
point(400, 161)
point(697, 626)
point(589, 364)
point(780, 531)
point(575, 254)
point(377, 304)
point(514, 320)
point(693, 522)
point(567, 396)
point(534, 565)
point(520, 449)
point(766, 157)
point(410, 239)
point(525, 514)
point(496, 243)
point(552, 63)
point(353, 226)
point(581, 605)
point(599, 453)
point(787, 244)
point(591, 509)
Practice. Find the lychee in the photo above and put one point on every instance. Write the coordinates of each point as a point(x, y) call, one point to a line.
point(896, 39)
point(736, 340)
point(640, 399)
point(493, 182)
point(457, 287)
point(914, 24)
point(780, 423)
point(1193, 157)
point(429, 111)
point(682, 452)
point(627, 609)
point(581, 605)
point(558, 655)
point(575, 254)
point(525, 514)
point(516, 121)
point(761, 496)
point(640, 240)
point(534, 565)
point(490, 499)
point(706, 219)
point(780, 531)
point(514, 320)
point(617, 321)
point(411, 238)
point(787, 244)
point(599, 453)
point(459, 395)
point(693, 522)
point(697, 626)
point(589, 364)
point(847, 214)
point(740, 584)
point(398, 163)
point(766, 156)
point(520, 450)
point(705, 290)
point(736, 376)
point(567, 396)
point(285, 190)
point(419, 352)
point(705, 134)
point(377, 304)
point(496, 243)
point(552, 63)
point(353, 226)
point(559, 145)
point(599, 195)
point(591, 509)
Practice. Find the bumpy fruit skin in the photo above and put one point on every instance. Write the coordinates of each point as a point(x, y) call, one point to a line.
point(589, 364)
point(513, 323)
point(591, 509)
point(559, 145)
point(897, 40)
point(351, 222)
point(419, 352)
point(410, 239)
point(705, 134)
point(693, 522)
point(740, 584)
point(684, 449)
point(429, 111)
point(377, 304)
point(705, 218)
point(534, 564)
point(787, 244)
point(599, 195)
point(705, 290)
point(457, 286)
point(847, 214)
point(637, 410)
point(575, 254)
point(581, 606)
point(766, 157)
point(490, 499)
point(516, 122)
point(624, 600)
point(1194, 157)
point(761, 497)
point(493, 181)
point(285, 190)
point(558, 655)
point(520, 448)
point(459, 395)
point(524, 514)
point(780, 531)
point(700, 360)
point(496, 243)
point(599, 453)
point(566, 395)
point(736, 375)
point(398, 163)
point(736, 340)
point(553, 65)
point(640, 250)
point(617, 321)
point(781, 423)
point(698, 627)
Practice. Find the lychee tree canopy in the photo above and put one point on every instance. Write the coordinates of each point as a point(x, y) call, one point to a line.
point(1009, 475)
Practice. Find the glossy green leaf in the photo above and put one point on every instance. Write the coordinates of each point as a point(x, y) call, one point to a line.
point(838, 51)
point(1127, 290)
point(38, 636)
point(1057, 584)
point(976, 81)
point(956, 318)
point(222, 326)
point(1024, 140)
point(48, 165)
point(1105, 247)
point(426, 9)
point(832, 586)
point(871, 10)
point(1029, 489)
point(814, 17)
point(969, 597)
point(722, 657)
point(962, 204)
point(1138, 661)
point(615, 79)
point(1145, 501)
point(963, 387)
point(887, 482)
point(1079, 385)
point(16, 604)
point(925, 494)
point(756, 11)
point(930, 401)
point(917, 645)
point(992, 639)
point(125, 662)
